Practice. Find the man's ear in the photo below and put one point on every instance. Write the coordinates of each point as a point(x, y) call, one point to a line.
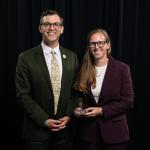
point(62, 29)
point(39, 28)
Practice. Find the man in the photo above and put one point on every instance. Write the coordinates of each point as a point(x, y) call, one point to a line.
point(47, 107)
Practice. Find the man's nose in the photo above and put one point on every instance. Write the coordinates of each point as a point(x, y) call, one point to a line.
point(96, 46)
point(51, 26)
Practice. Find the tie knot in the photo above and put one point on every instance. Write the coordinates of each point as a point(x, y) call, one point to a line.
point(53, 52)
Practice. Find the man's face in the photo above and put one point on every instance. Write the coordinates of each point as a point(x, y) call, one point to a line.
point(51, 29)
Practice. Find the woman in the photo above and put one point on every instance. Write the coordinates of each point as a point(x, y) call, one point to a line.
point(105, 85)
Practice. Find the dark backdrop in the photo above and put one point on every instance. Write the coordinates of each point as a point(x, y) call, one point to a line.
point(127, 22)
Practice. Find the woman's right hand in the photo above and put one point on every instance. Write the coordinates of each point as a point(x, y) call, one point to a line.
point(79, 112)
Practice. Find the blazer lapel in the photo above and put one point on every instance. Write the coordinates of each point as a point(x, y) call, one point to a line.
point(107, 80)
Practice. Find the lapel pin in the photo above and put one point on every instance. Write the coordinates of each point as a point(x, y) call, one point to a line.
point(64, 56)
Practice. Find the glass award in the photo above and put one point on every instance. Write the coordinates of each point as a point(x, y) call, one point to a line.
point(82, 102)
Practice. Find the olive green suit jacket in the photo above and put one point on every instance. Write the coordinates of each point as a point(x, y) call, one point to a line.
point(34, 91)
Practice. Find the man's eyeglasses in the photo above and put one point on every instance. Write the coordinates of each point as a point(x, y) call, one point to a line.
point(99, 44)
point(48, 24)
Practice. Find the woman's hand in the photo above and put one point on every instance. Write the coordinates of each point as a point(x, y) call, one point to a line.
point(93, 111)
point(79, 112)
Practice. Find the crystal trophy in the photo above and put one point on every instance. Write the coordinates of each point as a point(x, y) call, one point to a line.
point(82, 102)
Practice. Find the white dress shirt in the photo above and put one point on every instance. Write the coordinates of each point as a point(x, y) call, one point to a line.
point(48, 56)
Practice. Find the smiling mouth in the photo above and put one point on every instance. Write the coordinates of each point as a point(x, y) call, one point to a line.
point(50, 33)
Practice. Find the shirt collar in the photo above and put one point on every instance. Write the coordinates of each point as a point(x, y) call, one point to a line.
point(47, 49)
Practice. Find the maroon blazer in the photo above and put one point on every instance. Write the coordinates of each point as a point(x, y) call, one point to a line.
point(116, 98)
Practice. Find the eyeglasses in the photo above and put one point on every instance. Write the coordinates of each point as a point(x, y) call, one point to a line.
point(48, 24)
point(99, 44)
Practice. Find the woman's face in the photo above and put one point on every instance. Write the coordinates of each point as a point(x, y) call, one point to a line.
point(98, 46)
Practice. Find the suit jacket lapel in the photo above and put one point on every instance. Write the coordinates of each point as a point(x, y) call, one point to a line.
point(42, 64)
point(64, 64)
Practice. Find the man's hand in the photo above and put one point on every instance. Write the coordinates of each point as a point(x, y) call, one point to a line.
point(57, 125)
point(64, 120)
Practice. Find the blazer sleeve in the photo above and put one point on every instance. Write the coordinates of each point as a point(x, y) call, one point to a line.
point(115, 107)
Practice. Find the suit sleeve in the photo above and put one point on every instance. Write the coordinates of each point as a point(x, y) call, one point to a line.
point(70, 107)
point(23, 93)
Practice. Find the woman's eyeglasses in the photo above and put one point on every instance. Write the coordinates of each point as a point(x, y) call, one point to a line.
point(99, 44)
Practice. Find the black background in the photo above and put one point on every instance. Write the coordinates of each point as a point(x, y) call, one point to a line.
point(127, 22)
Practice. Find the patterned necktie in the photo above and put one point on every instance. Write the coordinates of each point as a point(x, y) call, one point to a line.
point(55, 79)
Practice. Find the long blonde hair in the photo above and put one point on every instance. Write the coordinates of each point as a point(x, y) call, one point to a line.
point(87, 74)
